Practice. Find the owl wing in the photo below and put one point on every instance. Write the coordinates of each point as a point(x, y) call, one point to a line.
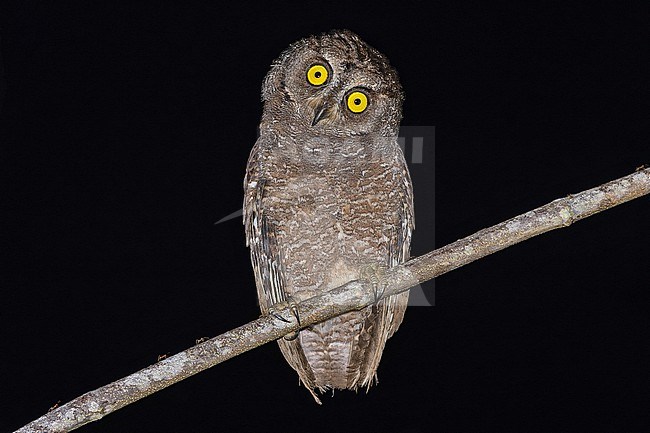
point(261, 236)
point(389, 312)
point(266, 257)
point(400, 244)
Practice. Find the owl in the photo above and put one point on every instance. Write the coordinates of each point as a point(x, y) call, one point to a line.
point(328, 199)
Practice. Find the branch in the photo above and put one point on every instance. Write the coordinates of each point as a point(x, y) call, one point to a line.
point(351, 296)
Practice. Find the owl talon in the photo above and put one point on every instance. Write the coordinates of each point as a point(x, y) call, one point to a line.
point(374, 274)
point(378, 291)
point(277, 316)
point(293, 307)
point(294, 310)
point(292, 336)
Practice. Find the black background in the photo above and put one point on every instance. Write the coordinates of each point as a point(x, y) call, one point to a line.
point(125, 132)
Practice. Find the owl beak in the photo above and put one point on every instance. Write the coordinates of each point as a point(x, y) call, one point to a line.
point(321, 112)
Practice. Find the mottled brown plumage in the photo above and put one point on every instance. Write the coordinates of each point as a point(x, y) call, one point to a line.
point(328, 199)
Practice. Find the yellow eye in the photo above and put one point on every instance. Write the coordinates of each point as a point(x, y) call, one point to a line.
point(317, 75)
point(357, 102)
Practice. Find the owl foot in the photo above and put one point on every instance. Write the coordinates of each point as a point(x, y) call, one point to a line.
point(374, 273)
point(293, 307)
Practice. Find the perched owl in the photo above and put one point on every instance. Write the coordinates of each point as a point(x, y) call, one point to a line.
point(328, 199)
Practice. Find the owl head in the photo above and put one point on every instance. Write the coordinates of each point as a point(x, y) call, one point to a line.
point(334, 84)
